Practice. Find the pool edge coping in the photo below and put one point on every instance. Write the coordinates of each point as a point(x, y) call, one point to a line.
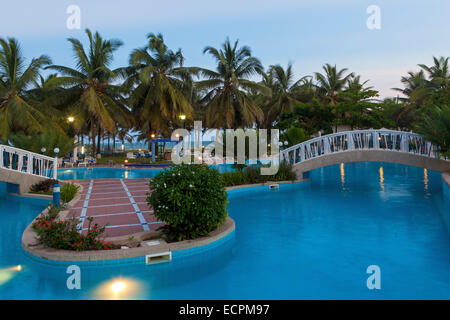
point(30, 245)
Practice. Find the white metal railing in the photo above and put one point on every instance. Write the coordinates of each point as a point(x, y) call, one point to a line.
point(382, 139)
point(28, 162)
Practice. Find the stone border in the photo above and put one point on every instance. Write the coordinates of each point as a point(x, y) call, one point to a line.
point(30, 244)
point(446, 178)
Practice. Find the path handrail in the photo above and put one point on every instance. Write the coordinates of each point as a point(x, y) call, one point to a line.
point(381, 139)
point(28, 162)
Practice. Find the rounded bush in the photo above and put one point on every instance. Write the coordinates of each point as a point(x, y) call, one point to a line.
point(190, 199)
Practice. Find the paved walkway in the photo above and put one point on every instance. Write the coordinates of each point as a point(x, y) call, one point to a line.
point(118, 204)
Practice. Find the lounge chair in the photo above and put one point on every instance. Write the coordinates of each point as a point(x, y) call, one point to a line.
point(130, 155)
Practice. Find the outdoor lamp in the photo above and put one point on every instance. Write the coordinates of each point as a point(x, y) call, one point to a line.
point(183, 117)
point(71, 119)
point(153, 135)
point(43, 150)
point(56, 150)
point(286, 143)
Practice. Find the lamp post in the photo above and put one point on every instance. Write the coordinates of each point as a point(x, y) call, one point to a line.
point(43, 151)
point(182, 117)
point(55, 164)
point(71, 133)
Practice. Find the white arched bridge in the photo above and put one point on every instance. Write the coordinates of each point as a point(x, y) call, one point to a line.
point(365, 145)
point(20, 168)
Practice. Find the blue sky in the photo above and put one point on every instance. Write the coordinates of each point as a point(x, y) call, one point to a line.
point(306, 33)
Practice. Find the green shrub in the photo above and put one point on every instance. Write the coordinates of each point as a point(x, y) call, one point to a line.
point(285, 173)
point(252, 174)
point(190, 199)
point(44, 186)
point(68, 192)
point(233, 178)
point(57, 234)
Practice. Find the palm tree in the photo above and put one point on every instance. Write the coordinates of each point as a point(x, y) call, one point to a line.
point(283, 92)
point(91, 93)
point(17, 113)
point(357, 100)
point(332, 81)
point(161, 87)
point(439, 74)
point(227, 101)
point(416, 87)
point(435, 127)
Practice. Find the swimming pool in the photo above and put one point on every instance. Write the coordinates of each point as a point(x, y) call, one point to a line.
point(303, 241)
point(118, 173)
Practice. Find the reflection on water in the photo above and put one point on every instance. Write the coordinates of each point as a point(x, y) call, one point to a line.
point(342, 175)
point(425, 179)
point(381, 179)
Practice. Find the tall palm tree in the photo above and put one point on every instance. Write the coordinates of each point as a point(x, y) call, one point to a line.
point(91, 92)
point(227, 101)
point(438, 73)
point(283, 89)
point(17, 113)
point(332, 81)
point(416, 87)
point(161, 87)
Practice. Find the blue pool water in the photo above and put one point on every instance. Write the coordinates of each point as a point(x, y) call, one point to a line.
point(118, 173)
point(308, 240)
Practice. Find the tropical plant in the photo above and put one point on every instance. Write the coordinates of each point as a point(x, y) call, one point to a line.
point(161, 87)
point(57, 234)
point(357, 101)
point(435, 127)
point(332, 82)
point(283, 92)
point(296, 135)
point(438, 73)
point(91, 94)
point(68, 191)
point(227, 89)
point(49, 139)
point(44, 186)
point(17, 113)
point(190, 199)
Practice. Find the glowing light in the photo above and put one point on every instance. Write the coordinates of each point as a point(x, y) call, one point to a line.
point(177, 135)
point(119, 288)
point(82, 150)
point(425, 178)
point(342, 174)
point(123, 146)
point(153, 135)
point(182, 117)
point(126, 174)
point(381, 178)
point(71, 119)
point(7, 274)
point(126, 161)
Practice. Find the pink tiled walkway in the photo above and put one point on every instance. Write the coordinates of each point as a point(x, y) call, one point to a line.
point(118, 204)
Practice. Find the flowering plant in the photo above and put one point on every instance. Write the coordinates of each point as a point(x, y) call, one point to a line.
point(57, 234)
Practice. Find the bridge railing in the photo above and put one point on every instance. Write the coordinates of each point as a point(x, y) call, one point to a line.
point(383, 139)
point(28, 162)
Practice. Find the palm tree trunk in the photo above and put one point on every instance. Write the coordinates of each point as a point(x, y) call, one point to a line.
point(94, 151)
point(114, 141)
point(99, 138)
